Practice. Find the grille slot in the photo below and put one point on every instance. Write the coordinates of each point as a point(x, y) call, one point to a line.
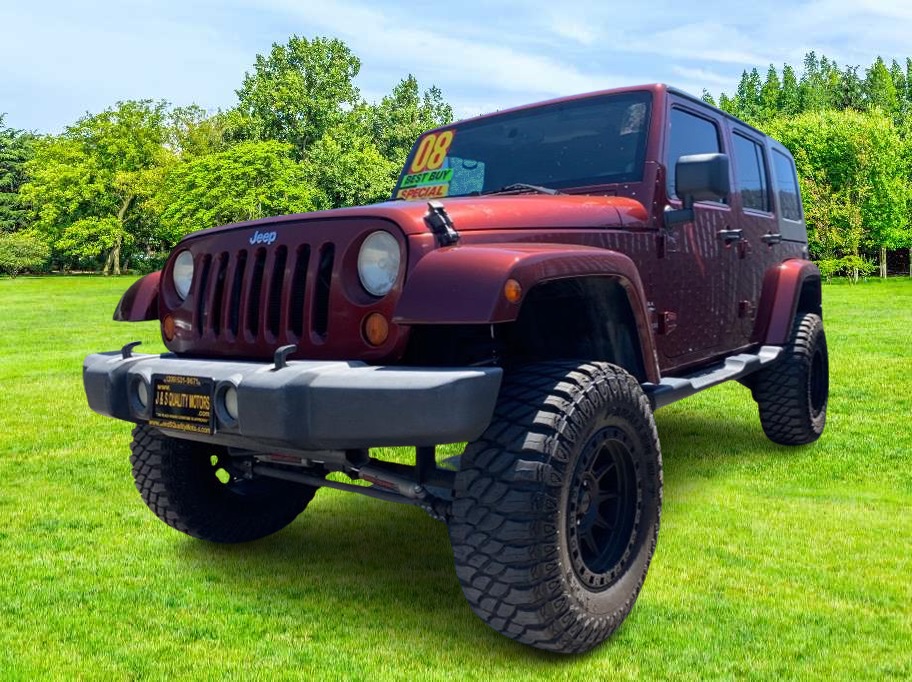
point(202, 296)
point(276, 284)
point(298, 301)
point(256, 289)
point(234, 309)
point(324, 283)
point(218, 295)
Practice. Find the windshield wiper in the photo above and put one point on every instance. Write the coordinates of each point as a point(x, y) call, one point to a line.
point(522, 187)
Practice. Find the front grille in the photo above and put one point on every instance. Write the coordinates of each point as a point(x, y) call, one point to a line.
point(251, 296)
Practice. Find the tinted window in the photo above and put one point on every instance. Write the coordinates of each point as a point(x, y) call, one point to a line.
point(750, 174)
point(786, 186)
point(690, 134)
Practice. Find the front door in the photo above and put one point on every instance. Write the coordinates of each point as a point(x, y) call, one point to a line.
point(697, 303)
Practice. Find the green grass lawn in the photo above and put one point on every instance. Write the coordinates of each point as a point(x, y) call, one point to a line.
point(772, 562)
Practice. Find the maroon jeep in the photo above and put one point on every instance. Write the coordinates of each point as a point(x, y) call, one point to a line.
point(542, 280)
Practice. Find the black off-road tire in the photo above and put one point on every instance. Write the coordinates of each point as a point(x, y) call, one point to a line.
point(792, 394)
point(572, 450)
point(189, 486)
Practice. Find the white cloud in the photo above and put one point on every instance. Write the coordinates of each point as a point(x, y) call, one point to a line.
point(574, 30)
point(416, 42)
point(59, 59)
point(709, 79)
point(703, 41)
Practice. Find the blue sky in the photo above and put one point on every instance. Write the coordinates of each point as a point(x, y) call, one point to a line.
point(60, 59)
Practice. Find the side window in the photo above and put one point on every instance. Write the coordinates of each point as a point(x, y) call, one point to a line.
point(750, 174)
point(690, 134)
point(786, 186)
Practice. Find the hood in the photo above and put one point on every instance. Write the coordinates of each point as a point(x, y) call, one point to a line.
point(499, 212)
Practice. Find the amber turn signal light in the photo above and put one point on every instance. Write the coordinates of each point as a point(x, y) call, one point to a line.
point(168, 328)
point(512, 291)
point(376, 329)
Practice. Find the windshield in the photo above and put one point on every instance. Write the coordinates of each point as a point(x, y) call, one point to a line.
point(578, 143)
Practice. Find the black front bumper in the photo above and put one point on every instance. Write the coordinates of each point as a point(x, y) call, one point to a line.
point(307, 405)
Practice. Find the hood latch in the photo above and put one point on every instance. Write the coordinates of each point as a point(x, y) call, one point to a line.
point(441, 224)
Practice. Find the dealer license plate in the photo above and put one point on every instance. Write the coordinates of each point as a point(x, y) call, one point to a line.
point(183, 403)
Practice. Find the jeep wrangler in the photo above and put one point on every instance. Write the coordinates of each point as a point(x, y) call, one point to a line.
point(542, 279)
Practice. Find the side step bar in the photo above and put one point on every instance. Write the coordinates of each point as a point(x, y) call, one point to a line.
point(672, 389)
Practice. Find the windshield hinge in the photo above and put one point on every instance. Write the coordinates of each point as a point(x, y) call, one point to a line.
point(441, 224)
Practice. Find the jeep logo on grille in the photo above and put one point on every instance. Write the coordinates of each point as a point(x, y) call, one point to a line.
point(263, 238)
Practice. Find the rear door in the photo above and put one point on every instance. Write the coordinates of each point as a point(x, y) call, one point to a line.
point(759, 243)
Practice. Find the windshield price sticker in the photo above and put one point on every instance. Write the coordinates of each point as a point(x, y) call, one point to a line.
point(428, 192)
point(431, 152)
point(182, 403)
point(438, 177)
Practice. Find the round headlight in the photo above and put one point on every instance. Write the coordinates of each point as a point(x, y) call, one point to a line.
point(378, 263)
point(182, 273)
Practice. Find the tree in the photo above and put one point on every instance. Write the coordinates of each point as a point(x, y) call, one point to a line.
point(854, 181)
point(402, 116)
point(88, 185)
point(707, 97)
point(299, 92)
point(726, 103)
point(347, 166)
point(16, 149)
point(907, 95)
point(747, 97)
point(851, 90)
point(20, 251)
point(770, 94)
point(898, 76)
point(880, 92)
point(789, 95)
point(193, 132)
point(247, 181)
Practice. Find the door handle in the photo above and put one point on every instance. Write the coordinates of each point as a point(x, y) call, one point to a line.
point(771, 238)
point(729, 236)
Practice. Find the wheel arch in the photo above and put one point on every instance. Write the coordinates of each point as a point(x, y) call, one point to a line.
point(463, 287)
point(591, 317)
point(140, 302)
point(789, 289)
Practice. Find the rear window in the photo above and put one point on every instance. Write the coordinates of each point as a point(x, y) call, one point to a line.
point(786, 186)
point(750, 174)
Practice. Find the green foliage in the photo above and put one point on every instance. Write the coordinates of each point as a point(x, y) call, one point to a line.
point(770, 94)
point(851, 90)
point(247, 181)
point(853, 142)
point(90, 237)
point(747, 98)
point(16, 148)
point(92, 180)
point(403, 115)
point(122, 186)
point(192, 132)
point(298, 92)
point(880, 91)
point(347, 166)
point(790, 96)
point(854, 179)
point(22, 251)
point(851, 267)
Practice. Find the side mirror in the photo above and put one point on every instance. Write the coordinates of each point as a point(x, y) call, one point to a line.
point(699, 177)
point(702, 177)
